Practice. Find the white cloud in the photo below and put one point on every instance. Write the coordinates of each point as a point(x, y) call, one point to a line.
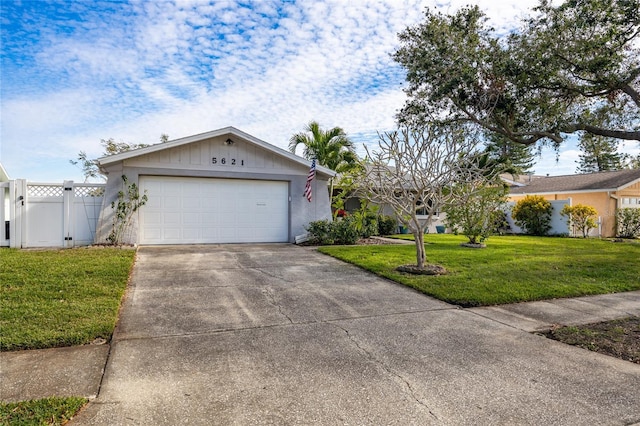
point(138, 70)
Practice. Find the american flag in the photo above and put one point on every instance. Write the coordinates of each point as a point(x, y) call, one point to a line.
point(310, 176)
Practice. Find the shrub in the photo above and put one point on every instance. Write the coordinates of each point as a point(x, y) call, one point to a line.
point(343, 231)
point(321, 231)
point(365, 219)
point(628, 222)
point(580, 217)
point(475, 210)
point(533, 214)
point(387, 225)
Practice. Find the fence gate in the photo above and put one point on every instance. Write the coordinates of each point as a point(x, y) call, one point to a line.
point(51, 215)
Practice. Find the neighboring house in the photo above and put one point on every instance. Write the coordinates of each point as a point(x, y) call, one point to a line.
point(352, 204)
point(605, 191)
point(223, 186)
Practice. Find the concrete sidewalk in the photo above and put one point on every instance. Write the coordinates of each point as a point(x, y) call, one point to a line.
point(78, 370)
point(284, 335)
point(545, 314)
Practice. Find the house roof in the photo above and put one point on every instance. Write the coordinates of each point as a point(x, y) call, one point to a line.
point(226, 131)
point(518, 180)
point(589, 182)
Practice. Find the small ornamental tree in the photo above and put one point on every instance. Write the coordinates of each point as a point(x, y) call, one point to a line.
point(580, 217)
point(628, 221)
point(412, 172)
point(475, 209)
point(128, 202)
point(533, 214)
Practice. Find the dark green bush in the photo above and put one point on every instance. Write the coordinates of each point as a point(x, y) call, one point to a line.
point(628, 222)
point(345, 231)
point(321, 231)
point(342, 231)
point(387, 225)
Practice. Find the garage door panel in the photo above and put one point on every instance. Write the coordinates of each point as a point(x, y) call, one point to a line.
point(203, 210)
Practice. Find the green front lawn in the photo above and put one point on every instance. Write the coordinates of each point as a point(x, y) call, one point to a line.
point(53, 298)
point(48, 411)
point(511, 268)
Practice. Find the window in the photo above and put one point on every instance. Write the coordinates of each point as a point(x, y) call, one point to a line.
point(630, 202)
point(422, 211)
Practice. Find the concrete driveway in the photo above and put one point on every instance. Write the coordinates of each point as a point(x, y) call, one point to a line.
point(278, 334)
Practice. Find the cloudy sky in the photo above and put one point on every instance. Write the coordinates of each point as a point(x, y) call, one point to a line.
point(76, 72)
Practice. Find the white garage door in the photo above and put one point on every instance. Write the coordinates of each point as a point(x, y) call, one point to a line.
point(206, 210)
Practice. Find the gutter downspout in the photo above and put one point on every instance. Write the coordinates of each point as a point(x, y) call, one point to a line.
point(615, 210)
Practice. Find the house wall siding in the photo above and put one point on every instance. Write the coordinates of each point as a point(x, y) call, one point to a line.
point(216, 156)
point(632, 191)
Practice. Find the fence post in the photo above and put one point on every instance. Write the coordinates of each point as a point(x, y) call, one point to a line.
point(17, 209)
point(67, 212)
point(5, 212)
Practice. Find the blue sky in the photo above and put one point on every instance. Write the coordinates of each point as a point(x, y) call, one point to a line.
point(76, 72)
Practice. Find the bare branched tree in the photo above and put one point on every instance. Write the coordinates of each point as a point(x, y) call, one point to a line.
point(415, 169)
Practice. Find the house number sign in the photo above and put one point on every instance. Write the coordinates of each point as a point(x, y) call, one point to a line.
point(227, 161)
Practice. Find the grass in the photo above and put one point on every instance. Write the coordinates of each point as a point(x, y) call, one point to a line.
point(511, 268)
point(54, 298)
point(48, 411)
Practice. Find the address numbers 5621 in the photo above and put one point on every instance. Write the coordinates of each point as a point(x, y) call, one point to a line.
point(227, 161)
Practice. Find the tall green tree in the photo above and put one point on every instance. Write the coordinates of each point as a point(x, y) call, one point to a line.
point(331, 148)
point(511, 157)
point(599, 155)
point(570, 68)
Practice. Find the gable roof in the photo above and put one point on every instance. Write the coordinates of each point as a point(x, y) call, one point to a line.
point(226, 131)
point(589, 182)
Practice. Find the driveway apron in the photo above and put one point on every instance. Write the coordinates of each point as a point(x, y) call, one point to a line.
point(279, 334)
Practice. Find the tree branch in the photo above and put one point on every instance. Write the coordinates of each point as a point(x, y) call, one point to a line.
point(617, 134)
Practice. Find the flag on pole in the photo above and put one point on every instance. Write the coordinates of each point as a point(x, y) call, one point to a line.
point(310, 176)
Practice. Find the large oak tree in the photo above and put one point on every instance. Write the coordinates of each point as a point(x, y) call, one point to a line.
point(570, 68)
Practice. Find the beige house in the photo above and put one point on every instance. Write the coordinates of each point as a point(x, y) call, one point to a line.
point(605, 191)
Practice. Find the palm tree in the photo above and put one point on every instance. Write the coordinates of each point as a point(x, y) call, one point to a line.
point(331, 148)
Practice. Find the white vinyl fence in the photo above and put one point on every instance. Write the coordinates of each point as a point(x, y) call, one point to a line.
point(558, 223)
point(49, 214)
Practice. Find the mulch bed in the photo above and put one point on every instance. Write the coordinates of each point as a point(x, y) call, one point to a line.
point(618, 338)
point(426, 270)
point(375, 242)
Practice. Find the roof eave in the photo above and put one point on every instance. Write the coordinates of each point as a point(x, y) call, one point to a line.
point(110, 159)
point(574, 191)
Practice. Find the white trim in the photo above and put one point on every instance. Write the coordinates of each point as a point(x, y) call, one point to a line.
point(110, 159)
point(629, 184)
point(582, 191)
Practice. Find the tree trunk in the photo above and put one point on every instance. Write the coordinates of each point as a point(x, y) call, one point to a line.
point(420, 254)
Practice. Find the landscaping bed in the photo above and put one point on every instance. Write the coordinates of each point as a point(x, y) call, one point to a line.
point(618, 338)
